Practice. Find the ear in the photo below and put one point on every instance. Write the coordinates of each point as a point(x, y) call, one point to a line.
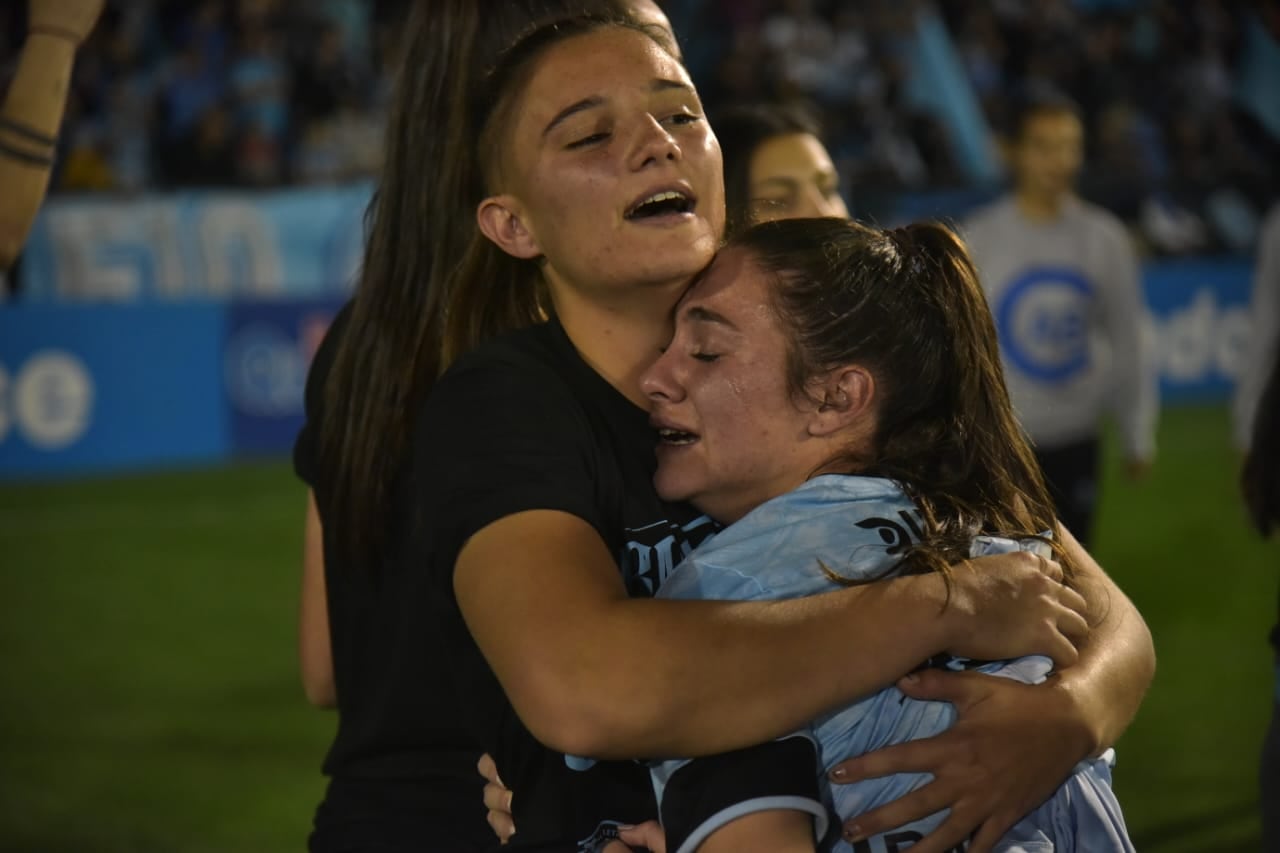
point(846, 396)
point(501, 219)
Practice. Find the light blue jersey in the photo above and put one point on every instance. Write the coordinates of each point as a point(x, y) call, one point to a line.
point(858, 528)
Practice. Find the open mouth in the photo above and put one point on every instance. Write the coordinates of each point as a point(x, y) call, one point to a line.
point(676, 438)
point(665, 203)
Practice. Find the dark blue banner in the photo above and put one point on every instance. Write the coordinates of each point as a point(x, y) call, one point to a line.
point(267, 351)
point(85, 389)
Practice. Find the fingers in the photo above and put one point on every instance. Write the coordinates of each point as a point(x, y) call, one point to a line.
point(1073, 599)
point(648, 834)
point(988, 835)
point(917, 756)
point(497, 798)
point(1052, 568)
point(488, 769)
point(1060, 650)
point(502, 825)
point(959, 688)
point(920, 803)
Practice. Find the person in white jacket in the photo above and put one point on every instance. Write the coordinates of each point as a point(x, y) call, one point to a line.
point(1063, 281)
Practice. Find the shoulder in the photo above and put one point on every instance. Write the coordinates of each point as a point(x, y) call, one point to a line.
point(1103, 224)
point(529, 364)
point(516, 388)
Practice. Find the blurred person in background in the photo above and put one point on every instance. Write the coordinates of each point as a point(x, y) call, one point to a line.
point(1063, 281)
point(1257, 413)
point(32, 113)
point(1264, 340)
point(775, 166)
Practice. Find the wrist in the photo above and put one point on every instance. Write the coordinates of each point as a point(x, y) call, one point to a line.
point(55, 38)
point(936, 611)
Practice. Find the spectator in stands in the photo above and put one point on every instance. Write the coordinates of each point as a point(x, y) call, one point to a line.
point(775, 166)
point(1062, 278)
point(31, 114)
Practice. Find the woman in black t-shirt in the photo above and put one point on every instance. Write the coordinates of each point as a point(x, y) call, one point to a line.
point(521, 486)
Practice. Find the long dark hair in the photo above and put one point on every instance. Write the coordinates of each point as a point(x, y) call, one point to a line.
point(907, 305)
point(429, 289)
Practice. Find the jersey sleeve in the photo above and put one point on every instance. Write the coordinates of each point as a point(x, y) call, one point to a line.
point(696, 797)
point(1135, 393)
point(498, 437)
point(306, 447)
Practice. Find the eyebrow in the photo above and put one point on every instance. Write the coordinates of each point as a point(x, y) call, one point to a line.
point(706, 315)
point(657, 85)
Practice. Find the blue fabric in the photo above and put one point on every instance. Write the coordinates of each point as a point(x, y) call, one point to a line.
point(858, 528)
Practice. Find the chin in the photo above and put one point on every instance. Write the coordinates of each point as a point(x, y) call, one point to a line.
point(669, 488)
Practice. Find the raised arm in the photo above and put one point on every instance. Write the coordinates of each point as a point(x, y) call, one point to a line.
point(593, 672)
point(32, 112)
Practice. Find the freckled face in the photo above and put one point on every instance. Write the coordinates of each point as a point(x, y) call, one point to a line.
point(733, 434)
point(617, 173)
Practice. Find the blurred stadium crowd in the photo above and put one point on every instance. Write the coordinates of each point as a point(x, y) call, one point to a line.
point(1183, 129)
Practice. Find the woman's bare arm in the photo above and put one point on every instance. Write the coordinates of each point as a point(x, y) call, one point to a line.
point(1014, 744)
point(593, 672)
point(315, 650)
point(32, 113)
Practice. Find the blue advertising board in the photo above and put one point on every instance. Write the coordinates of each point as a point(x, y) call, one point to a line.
point(265, 357)
point(86, 389)
point(1199, 310)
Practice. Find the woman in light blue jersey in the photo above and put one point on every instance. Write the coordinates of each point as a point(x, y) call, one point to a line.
point(834, 393)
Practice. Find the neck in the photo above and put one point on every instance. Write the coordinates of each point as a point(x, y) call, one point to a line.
point(1040, 207)
point(620, 338)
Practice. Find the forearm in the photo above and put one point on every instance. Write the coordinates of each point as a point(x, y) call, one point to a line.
point(593, 672)
point(761, 669)
point(1117, 660)
point(31, 115)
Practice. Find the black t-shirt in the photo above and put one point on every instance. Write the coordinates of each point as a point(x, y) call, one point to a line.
point(522, 423)
point(402, 765)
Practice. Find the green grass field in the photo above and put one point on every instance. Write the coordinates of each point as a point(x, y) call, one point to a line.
point(149, 701)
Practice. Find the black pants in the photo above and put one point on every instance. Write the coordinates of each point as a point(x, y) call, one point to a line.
point(1071, 472)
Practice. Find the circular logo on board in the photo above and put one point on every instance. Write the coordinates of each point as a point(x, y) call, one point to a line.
point(52, 399)
point(6, 419)
point(265, 371)
point(1043, 323)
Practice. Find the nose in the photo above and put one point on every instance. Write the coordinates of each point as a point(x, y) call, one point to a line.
point(653, 144)
point(659, 383)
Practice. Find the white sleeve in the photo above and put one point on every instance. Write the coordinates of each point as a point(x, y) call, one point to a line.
point(1135, 387)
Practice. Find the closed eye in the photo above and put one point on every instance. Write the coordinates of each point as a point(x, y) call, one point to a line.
point(684, 118)
point(588, 140)
point(706, 356)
